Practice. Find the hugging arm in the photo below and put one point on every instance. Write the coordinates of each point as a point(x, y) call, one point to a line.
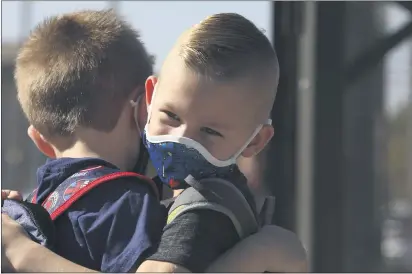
point(274, 250)
point(25, 255)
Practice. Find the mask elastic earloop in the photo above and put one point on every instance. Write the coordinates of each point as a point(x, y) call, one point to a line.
point(135, 105)
point(256, 132)
point(149, 111)
point(247, 142)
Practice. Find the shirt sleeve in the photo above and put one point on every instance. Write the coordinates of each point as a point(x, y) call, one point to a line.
point(121, 224)
point(195, 239)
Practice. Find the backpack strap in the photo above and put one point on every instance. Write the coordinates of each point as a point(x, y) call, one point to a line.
point(32, 197)
point(80, 183)
point(219, 195)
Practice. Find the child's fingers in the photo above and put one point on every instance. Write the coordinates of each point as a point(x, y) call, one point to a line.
point(11, 194)
point(16, 195)
point(4, 194)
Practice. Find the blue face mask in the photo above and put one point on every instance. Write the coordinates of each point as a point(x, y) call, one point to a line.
point(178, 158)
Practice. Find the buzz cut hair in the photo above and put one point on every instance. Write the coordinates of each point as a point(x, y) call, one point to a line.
point(227, 46)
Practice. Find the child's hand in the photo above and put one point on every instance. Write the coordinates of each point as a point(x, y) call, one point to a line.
point(11, 194)
point(272, 249)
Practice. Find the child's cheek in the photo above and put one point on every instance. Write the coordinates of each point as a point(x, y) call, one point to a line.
point(221, 149)
point(155, 126)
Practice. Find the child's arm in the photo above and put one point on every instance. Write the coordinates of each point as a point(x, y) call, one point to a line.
point(274, 249)
point(24, 255)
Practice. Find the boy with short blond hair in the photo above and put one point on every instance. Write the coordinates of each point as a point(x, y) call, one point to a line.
point(76, 75)
point(78, 70)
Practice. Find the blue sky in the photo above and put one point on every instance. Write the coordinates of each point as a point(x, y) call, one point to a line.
point(161, 22)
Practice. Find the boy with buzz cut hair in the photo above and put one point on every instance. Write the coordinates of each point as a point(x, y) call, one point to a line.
point(210, 105)
point(76, 75)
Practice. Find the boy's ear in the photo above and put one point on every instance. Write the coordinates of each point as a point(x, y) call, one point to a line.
point(259, 142)
point(42, 144)
point(150, 86)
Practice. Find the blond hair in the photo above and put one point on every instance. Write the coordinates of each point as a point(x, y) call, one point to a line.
point(228, 46)
point(78, 69)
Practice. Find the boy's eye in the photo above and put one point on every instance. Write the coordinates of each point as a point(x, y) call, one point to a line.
point(172, 115)
point(211, 131)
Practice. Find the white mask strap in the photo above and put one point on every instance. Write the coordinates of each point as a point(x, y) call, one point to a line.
point(135, 105)
point(256, 132)
point(149, 110)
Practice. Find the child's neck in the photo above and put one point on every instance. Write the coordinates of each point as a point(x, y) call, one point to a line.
point(104, 147)
point(80, 151)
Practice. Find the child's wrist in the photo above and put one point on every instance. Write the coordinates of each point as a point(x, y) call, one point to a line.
point(21, 254)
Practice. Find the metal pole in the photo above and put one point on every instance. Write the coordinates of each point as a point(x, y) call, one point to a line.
point(281, 164)
point(305, 124)
point(409, 131)
point(328, 165)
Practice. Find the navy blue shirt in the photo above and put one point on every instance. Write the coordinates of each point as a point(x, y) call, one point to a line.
point(113, 228)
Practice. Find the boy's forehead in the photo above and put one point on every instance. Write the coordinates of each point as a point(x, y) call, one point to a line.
point(187, 85)
point(233, 99)
point(182, 78)
point(213, 105)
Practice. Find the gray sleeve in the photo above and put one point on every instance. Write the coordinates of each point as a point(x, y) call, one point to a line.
point(195, 239)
